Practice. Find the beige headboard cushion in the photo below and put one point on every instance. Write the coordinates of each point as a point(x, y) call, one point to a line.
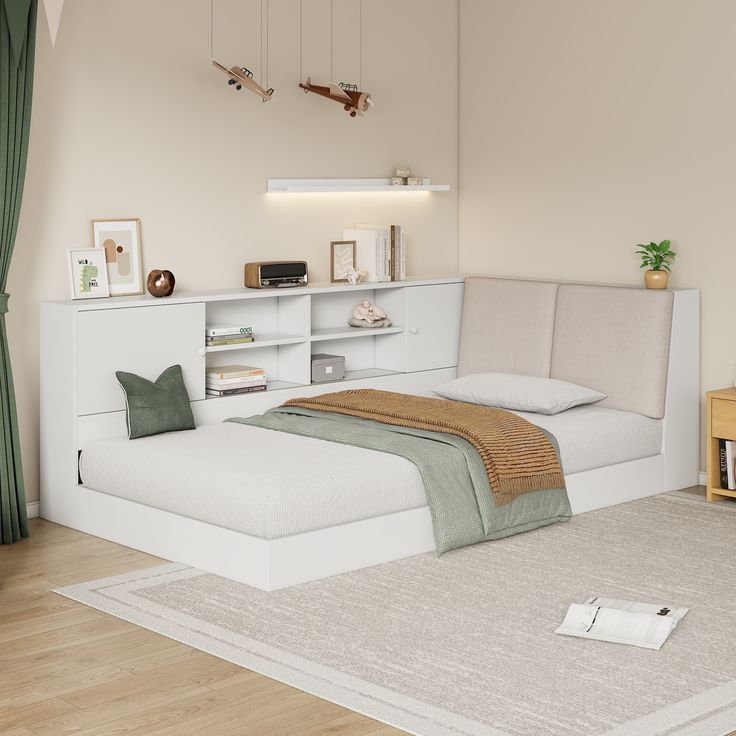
point(615, 340)
point(507, 326)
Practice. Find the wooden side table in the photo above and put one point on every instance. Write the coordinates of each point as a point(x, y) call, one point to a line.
point(721, 425)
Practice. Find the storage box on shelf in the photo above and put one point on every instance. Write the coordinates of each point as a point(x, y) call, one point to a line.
point(720, 425)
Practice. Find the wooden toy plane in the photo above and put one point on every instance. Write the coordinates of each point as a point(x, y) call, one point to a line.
point(242, 77)
point(354, 101)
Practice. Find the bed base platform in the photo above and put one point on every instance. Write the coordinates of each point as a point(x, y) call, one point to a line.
point(270, 564)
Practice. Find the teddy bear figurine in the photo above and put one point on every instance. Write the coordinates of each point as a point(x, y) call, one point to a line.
point(369, 315)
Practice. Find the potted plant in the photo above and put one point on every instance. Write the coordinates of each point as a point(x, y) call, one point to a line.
point(657, 258)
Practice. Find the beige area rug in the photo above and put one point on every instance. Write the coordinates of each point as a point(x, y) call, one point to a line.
point(463, 645)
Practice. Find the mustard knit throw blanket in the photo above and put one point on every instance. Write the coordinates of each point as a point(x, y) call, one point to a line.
point(516, 454)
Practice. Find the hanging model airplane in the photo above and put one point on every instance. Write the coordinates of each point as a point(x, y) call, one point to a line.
point(354, 101)
point(242, 77)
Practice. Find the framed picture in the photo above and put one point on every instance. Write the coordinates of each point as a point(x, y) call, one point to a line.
point(121, 242)
point(342, 259)
point(87, 273)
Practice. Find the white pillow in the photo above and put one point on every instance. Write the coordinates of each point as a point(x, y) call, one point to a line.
point(521, 393)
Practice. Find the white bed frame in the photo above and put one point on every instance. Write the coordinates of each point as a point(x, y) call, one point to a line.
point(82, 343)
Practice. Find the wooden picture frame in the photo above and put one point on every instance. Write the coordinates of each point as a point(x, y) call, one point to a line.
point(342, 259)
point(121, 241)
point(87, 273)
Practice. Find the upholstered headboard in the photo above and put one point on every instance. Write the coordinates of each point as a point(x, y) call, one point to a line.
point(614, 339)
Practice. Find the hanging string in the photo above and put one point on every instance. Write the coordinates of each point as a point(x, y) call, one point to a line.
point(360, 44)
point(331, 44)
point(260, 41)
point(212, 15)
point(301, 34)
point(267, 44)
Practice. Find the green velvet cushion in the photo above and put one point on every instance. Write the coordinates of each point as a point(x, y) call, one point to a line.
point(153, 408)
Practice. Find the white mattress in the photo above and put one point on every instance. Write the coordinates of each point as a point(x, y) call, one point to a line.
point(271, 484)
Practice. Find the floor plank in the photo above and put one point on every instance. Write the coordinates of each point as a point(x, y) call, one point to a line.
point(69, 669)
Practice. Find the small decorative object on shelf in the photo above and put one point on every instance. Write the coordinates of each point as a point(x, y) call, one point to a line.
point(397, 181)
point(414, 181)
point(160, 283)
point(658, 259)
point(356, 275)
point(369, 315)
point(402, 171)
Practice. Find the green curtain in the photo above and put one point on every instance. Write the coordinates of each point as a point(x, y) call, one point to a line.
point(17, 47)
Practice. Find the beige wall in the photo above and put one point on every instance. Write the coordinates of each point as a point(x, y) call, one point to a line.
point(587, 127)
point(130, 120)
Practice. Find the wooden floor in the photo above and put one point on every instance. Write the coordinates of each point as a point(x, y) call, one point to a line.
point(66, 668)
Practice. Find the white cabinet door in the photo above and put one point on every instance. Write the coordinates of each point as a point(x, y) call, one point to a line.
point(141, 340)
point(433, 326)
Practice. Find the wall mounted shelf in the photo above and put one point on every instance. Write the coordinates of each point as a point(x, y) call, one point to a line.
point(293, 186)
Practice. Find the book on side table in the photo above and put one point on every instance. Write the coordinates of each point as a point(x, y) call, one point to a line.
point(622, 622)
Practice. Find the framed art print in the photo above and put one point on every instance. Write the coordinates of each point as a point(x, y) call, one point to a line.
point(121, 242)
point(342, 259)
point(87, 273)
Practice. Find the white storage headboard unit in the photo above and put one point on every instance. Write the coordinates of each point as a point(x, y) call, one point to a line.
point(84, 343)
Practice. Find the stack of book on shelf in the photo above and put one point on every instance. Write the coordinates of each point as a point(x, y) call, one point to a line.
point(216, 335)
point(380, 250)
point(229, 380)
point(727, 455)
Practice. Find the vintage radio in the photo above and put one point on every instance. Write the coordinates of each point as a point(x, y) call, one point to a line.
point(266, 274)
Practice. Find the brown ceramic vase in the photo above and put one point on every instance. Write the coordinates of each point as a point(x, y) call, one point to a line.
point(160, 283)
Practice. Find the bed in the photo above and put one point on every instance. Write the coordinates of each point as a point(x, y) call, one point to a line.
point(197, 497)
point(205, 474)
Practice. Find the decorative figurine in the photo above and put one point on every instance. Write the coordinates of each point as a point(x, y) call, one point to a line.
point(239, 77)
point(354, 101)
point(369, 315)
point(355, 276)
point(160, 283)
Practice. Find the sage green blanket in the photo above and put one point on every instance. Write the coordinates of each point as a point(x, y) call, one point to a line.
point(454, 477)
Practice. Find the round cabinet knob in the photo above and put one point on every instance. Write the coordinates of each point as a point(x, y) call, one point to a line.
point(414, 330)
point(202, 352)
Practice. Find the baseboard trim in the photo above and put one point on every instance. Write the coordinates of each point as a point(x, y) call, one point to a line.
point(702, 478)
point(33, 509)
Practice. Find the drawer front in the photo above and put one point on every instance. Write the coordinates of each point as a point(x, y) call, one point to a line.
point(141, 340)
point(723, 419)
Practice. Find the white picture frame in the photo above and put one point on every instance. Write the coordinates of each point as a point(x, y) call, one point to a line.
point(87, 273)
point(120, 241)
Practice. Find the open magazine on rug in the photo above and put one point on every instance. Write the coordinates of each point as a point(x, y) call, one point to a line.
point(622, 622)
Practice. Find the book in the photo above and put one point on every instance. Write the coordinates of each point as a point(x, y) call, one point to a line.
point(218, 330)
point(730, 469)
point(235, 386)
point(366, 250)
point(372, 248)
point(214, 342)
point(394, 269)
point(233, 371)
point(646, 625)
point(723, 463)
point(235, 391)
point(245, 380)
point(402, 253)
